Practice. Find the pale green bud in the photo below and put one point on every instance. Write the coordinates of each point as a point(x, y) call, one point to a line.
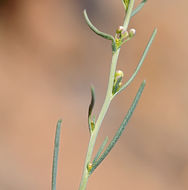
point(132, 32)
point(117, 81)
point(89, 166)
point(120, 29)
point(118, 74)
point(92, 125)
point(125, 34)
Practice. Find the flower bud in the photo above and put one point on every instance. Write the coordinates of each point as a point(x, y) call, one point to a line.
point(89, 166)
point(120, 29)
point(132, 32)
point(125, 34)
point(118, 74)
point(92, 125)
point(117, 81)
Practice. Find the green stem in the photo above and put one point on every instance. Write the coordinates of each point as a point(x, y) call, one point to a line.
point(104, 109)
point(105, 106)
point(128, 15)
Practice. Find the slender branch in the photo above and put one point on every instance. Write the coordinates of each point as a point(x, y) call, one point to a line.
point(55, 156)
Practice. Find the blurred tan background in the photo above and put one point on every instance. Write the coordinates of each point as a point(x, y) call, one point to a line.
point(49, 58)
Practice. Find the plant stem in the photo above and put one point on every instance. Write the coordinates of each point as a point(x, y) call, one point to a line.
point(99, 121)
point(128, 15)
point(105, 106)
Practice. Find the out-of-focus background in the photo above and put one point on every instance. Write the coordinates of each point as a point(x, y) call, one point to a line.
point(48, 60)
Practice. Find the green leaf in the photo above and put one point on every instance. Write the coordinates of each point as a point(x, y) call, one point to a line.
point(100, 150)
point(98, 32)
point(121, 129)
point(91, 106)
point(92, 101)
point(56, 152)
point(138, 8)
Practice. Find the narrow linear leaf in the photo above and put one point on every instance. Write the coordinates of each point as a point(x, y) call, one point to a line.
point(92, 101)
point(91, 106)
point(139, 64)
point(56, 152)
point(98, 32)
point(94, 29)
point(121, 129)
point(100, 150)
point(138, 8)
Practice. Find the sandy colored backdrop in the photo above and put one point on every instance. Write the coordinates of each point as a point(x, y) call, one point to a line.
point(49, 58)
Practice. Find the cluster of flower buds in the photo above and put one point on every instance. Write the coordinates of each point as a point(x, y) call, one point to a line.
point(122, 35)
point(117, 81)
point(121, 32)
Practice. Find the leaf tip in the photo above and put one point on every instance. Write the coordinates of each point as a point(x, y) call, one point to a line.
point(59, 121)
point(85, 14)
point(143, 84)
